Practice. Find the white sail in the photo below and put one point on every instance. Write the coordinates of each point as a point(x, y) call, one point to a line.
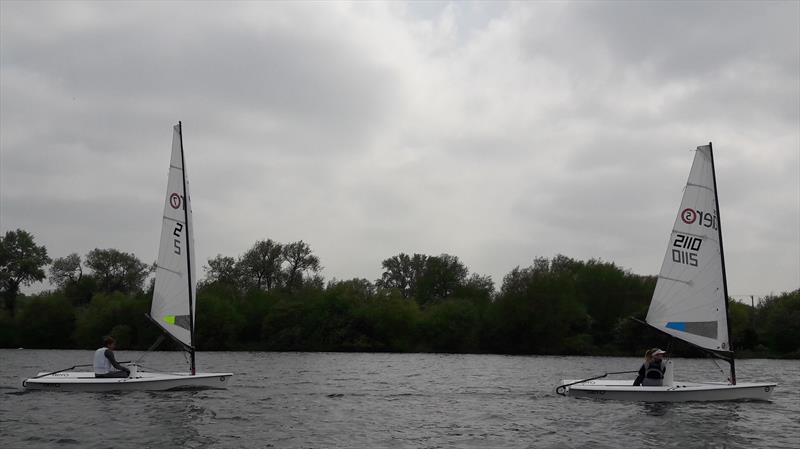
point(175, 267)
point(689, 299)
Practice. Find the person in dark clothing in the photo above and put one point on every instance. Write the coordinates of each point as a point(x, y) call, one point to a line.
point(104, 360)
point(651, 374)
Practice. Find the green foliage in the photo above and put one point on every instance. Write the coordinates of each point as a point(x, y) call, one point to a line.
point(117, 271)
point(403, 273)
point(107, 312)
point(222, 270)
point(537, 308)
point(22, 262)
point(741, 320)
point(261, 264)
point(451, 326)
point(218, 323)
point(273, 298)
point(46, 322)
point(388, 323)
point(66, 270)
point(8, 330)
point(779, 322)
point(299, 260)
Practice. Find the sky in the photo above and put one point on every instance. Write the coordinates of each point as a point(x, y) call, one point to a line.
point(495, 132)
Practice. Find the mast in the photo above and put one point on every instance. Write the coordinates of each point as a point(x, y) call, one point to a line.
point(722, 258)
point(189, 256)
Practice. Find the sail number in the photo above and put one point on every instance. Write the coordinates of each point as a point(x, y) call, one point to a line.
point(177, 240)
point(685, 248)
point(176, 201)
point(702, 218)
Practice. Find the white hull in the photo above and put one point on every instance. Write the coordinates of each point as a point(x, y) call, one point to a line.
point(623, 390)
point(85, 381)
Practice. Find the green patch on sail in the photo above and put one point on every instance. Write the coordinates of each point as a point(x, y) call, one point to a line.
point(177, 320)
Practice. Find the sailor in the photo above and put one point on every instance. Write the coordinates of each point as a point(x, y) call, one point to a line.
point(651, 374)
point(104, 360)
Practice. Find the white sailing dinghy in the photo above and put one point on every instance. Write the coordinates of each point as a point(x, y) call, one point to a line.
point(173, 305)
point(690, 302)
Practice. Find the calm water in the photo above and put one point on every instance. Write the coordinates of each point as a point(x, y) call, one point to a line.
point(321, 400)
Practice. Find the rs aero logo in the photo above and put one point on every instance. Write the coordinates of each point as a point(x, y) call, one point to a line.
point(702, 218)
point(175, 201)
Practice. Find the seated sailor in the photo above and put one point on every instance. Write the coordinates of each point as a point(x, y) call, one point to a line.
point(651, 374)
point(104, 360)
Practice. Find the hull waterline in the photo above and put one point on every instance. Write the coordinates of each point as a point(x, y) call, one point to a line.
point(623, 390)
point(144, 381)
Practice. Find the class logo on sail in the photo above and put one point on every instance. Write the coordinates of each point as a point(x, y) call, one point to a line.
point(705, 219)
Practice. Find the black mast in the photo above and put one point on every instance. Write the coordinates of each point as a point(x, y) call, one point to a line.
point(188, 255)
point(722, 258)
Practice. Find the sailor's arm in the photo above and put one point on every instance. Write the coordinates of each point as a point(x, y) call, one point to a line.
point(113, 360)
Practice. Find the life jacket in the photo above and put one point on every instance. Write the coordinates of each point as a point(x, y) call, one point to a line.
point(654, 370)
point(101, 363)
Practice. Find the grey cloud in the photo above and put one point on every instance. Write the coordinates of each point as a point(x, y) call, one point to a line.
point(495, 132)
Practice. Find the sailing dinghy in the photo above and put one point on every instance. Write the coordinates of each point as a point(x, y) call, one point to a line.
point(690, 302)
point(173, 305)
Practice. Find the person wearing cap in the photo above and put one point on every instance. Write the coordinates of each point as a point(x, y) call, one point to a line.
point(651, 374)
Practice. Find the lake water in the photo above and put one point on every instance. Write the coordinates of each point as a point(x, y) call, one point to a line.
point(326, 400)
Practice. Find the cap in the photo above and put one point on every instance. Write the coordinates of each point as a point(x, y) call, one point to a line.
point(659, 352)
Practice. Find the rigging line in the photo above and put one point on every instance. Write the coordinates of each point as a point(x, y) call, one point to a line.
point(159, 267)
point(158, 341)
point(691, 184)
point(721, 370)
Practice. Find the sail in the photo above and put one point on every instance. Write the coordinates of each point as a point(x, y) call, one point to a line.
point(689, 300)
point(173, 307)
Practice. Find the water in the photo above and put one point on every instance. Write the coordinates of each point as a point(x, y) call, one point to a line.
point(323, 400)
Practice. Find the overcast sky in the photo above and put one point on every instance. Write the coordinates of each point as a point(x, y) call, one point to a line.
point(496, 132)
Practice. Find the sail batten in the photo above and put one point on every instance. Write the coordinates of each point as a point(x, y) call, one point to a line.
point(172, 307)
point(689, 299)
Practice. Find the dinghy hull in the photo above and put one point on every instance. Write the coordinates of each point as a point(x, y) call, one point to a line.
point(144, 381)
point(623, 390)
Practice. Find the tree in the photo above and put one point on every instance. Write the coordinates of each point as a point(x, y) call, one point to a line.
point(476, 287)
point(299, 259)
point(402, 272)
point(21, 263)
point(115, 270)
point(779, 322)
point(46, 321)
point(66, 270)
point(537, 310)
point(222, 270)
point(261, 264)
point(440, 278)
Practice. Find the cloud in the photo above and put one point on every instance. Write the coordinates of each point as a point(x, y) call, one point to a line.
point(497, 132)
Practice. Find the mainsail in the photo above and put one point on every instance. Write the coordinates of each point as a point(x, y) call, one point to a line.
point(689, 301)
point(173, 304)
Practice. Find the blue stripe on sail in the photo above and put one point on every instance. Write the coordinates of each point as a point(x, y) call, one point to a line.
point(677, 326)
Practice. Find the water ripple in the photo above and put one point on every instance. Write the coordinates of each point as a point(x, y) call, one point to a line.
point(299, 400)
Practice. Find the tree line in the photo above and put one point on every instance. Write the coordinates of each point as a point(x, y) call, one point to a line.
point(272, 297)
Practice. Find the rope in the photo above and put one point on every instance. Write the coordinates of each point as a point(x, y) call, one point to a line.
point(721, 370)
point(562, 389)
point(150, 349)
